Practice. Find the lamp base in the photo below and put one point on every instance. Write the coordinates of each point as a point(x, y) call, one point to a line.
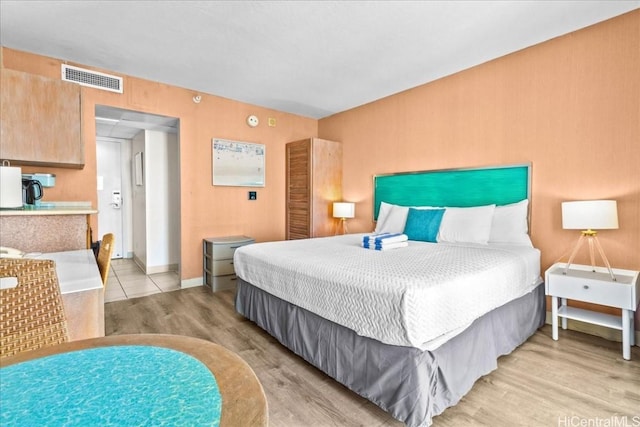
point(341, 227)
point(592, 238)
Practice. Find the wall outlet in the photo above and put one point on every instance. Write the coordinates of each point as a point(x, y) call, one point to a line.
point(253, 195)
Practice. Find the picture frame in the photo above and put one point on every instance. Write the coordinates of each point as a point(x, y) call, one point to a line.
point(237, 163)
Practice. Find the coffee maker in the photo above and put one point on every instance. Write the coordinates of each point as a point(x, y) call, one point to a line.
point(32, 187)
point(31, 192)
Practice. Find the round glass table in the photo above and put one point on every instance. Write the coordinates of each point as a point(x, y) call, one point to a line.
point(131, 380)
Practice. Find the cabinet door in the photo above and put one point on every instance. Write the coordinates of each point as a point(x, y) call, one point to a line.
point(40, 121)
point(298, 197)
point(314, 182)
point(326, 185)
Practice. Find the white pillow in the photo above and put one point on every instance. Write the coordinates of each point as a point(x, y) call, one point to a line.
point(466, 225)
point(391, 218)
point(385, 209)
point(509, 224)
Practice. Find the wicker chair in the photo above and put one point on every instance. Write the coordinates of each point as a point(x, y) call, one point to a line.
point(104, 256)
point(31, 314)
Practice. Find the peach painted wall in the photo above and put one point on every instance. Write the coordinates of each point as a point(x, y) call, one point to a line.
point(206, 211)
point(571, 106)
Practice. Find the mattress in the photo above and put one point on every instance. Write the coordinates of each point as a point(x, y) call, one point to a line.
point(418, 296)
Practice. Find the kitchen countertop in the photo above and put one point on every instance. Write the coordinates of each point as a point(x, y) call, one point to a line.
point(77, 270)
point(53, 208)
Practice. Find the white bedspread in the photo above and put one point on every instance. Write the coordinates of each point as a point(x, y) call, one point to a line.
point(416, 296)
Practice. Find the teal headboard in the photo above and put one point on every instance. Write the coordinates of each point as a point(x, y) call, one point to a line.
point(454, 187)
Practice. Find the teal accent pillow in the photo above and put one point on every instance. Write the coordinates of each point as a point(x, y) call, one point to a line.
point(423, 224)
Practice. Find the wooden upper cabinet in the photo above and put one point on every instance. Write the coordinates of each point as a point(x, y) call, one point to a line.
point(40, 121)
point(314, 182)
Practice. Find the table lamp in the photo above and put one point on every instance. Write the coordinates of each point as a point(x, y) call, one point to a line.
point(589, 216)
point(343, 210)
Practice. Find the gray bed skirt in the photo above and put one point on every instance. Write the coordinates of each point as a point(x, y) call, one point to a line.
point(411, 385)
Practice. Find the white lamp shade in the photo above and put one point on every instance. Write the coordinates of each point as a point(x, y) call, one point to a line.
point(590, 215)
point(344, 210)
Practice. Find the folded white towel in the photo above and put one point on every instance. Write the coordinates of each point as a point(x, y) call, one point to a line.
point(376, 239)
point(385, 246)
point(370, 240)
point(391, 246)
point(393, 238)
point(373, 237)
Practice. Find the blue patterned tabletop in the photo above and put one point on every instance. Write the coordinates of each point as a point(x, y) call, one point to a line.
point(110, 386)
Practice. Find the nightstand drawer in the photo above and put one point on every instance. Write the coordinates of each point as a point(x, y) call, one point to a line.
point(218, 267)
point(221, 283)
point(224, 247)
point(223, 251)
point(579, 286)
point(222, 267)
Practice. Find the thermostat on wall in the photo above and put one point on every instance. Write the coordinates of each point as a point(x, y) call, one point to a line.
point(252, 121)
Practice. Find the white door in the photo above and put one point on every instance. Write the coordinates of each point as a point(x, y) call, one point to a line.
point(110, 211)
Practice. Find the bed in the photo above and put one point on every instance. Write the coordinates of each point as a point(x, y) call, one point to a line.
point(412, 328)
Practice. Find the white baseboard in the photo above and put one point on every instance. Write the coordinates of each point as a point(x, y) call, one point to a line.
point(191, 283)
point(597, 330)
point(140, 263)
point(162, 268)
point(156, 268)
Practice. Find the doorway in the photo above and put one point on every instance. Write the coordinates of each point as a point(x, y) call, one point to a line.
point(110, 212)
point(119, 133)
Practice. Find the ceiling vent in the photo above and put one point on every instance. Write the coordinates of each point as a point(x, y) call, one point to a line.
point(91, 78)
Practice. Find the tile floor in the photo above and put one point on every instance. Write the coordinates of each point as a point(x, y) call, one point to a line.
point(127, 280)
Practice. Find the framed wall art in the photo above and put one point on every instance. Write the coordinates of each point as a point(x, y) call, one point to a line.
point(237, 163)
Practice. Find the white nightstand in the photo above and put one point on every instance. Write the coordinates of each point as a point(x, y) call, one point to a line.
point(581, 283)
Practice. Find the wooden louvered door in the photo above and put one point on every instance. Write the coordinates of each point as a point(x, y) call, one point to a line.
point(298, 197)
point(314, 182)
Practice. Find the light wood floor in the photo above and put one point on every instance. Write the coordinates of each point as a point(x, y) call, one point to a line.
point(578, 380)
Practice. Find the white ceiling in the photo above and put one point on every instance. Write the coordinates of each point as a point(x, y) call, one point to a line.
point(312, 58)
point(117, 124)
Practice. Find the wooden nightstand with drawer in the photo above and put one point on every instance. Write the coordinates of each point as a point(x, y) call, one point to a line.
point(581, 283)
point(217, 261)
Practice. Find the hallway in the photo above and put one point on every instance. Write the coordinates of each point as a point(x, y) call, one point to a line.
point(126, 280)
